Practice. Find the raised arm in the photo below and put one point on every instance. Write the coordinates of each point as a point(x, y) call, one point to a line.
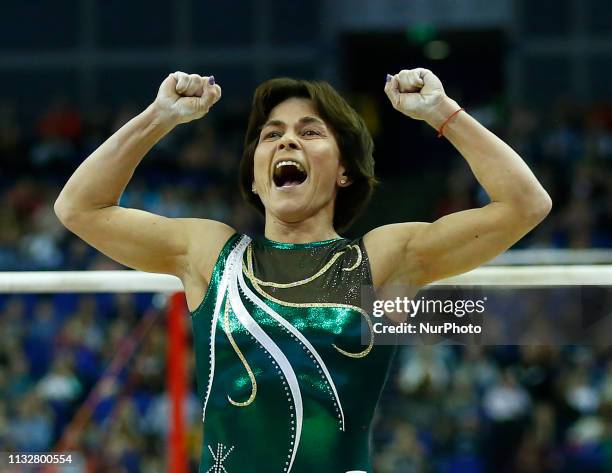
point(461, 241)
point(88, 203)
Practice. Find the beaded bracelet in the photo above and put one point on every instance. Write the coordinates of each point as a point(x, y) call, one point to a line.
point(441, 130)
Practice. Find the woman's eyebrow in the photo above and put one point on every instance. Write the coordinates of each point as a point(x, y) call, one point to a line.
point(303, 121)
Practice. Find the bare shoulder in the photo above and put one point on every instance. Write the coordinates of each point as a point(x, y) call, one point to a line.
point(206, 240)
point(388, 250)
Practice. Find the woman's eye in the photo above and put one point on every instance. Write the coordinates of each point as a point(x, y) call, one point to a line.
point(305, 132)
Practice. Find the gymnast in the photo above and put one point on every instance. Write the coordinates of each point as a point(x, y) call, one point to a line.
point(285, 380)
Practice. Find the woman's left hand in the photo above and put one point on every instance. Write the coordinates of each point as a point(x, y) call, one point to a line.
point(417, 93)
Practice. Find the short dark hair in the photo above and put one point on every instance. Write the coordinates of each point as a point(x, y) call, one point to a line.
point(354, 142)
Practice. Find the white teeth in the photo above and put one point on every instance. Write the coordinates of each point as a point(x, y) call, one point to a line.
point(289, 163)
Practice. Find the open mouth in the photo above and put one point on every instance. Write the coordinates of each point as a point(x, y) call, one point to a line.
point(288, 173)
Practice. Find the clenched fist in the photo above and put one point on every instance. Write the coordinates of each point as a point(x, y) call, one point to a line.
point(186, 97)
point(419, 94)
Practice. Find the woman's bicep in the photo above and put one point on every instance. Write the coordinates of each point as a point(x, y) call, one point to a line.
point(386, 248)
point(419, 253)
point(139, 239)
point(462, 241)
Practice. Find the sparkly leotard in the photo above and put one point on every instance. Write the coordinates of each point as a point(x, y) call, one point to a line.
point(287, 367)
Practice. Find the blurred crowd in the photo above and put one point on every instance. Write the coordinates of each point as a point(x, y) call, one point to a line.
point(187, 174)
point(94, 366)
point(569, 148)
point(193, 172)
point(519, 409)
point(88, 373)
point(446, 410)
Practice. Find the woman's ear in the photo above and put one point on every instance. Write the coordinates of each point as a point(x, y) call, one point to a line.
point(253, 188)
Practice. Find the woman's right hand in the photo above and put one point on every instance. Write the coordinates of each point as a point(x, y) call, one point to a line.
point(185, 97)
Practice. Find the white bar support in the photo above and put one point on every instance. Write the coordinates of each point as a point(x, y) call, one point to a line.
point(137, 281)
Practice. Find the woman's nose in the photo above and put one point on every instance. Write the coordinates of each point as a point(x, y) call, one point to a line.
point(288, 142)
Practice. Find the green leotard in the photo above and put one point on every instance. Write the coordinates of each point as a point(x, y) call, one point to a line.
point(287, 367)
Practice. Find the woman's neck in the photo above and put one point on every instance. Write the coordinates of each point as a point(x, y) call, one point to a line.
point(306, 231)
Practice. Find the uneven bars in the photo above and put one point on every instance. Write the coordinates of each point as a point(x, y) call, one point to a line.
point(137, 281)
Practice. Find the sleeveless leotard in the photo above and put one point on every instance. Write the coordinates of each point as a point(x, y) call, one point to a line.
point(287, 367)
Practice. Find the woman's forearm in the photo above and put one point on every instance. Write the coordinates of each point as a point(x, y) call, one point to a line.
point(497, 167)
point(101, 179)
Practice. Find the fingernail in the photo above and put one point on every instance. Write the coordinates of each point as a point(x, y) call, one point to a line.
point(389, 77)
point(211, 80)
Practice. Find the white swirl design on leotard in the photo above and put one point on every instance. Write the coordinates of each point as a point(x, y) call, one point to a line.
point(222, 289)
point(272, 348)
point(232, 284)
point(272, 313)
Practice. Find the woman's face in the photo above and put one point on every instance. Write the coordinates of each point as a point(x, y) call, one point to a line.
point(296, 163)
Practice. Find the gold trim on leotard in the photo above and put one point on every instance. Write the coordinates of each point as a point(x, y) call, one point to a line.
point(248, 271)
point(242, 359)
point(319, 273)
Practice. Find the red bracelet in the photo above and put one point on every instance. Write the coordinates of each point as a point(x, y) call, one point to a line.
point(441, 130)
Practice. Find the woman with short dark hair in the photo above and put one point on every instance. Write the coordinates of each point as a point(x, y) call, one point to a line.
point(354, 142)
point(288, 369)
